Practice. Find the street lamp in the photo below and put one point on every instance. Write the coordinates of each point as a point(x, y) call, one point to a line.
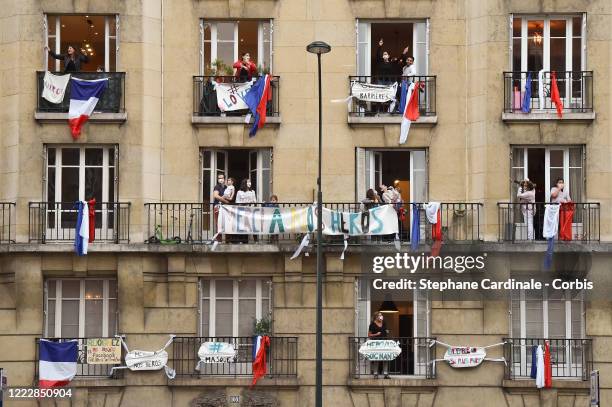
point(319, 47)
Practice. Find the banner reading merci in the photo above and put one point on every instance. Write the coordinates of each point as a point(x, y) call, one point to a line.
point(233, 219)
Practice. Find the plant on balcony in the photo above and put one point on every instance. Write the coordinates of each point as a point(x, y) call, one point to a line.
point(219, 68)
point(262, 326)
point(263, 70)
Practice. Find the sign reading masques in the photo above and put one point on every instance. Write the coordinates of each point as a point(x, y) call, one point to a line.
point(464, 356)
point(373, 93)
point(380, 349)
point(233, 219)
point(230, 95)
point(217, 352)
point(103, 351)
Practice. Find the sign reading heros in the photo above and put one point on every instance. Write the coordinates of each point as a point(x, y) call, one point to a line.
point(380, 349)
point(374, 93)
point(103, 351)
point(380, 220)
point(465, 356)
point(217, 352)
point(230, 95)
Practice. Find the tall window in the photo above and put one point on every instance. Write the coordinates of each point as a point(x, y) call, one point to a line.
point(230, 308)
point(76, 308)
point(396, 36)
point(96, 35)
point(222, 43)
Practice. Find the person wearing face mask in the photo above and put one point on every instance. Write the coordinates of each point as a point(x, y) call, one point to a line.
point(218, 198)
point(378, 330)
point(245, 196)
point(244, 69)
point(558, 193)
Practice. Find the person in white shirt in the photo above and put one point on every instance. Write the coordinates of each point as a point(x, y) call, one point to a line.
point(558, 193)
point(409, 69)
point(526, 196)
point(230, 191)
point(245, 196)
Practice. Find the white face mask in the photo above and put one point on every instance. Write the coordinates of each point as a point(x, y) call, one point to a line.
point(249, 184)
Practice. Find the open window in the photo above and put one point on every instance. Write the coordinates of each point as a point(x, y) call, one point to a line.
point(408, 323)
point(97, 35)
point(223, 42)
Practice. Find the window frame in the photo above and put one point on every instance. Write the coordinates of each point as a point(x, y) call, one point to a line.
point(106, 297)
point(260, 289)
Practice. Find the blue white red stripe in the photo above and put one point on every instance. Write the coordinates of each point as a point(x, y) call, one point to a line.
point(257, 99)
point(84, 96)
point(57, 362)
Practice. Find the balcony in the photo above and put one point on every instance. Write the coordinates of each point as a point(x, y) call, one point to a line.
point(575, 91)
point(514, 226)
point(415, 360)
point(84, 369)
point(56, 222)
point(570, 358)
point(194, 223)
point(110, 107)
point(281, 358)
point(7, 220)
point(369, 113)
point(206, 107)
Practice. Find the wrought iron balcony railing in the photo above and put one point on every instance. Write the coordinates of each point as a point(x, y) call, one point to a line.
point(85, 369)
point(205, 101)
point(112, 101)
point(426, 96)
point(56, 222)
point(570, 358)
point(575, 91)
point(281, 358)
point(7, 220)
point(416, 359)
point(520, 222)
point(195, 223)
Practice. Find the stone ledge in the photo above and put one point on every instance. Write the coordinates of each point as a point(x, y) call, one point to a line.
point(50, 117)
point(547, 116)
point(390, 119)
point(218, 120)
point(557, 383)
point(286, 383)
point(394, 381)
point(96, 382)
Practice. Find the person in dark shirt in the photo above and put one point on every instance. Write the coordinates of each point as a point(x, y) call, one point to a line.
point(72, 59)
point(378, 330)
point(388, 71)
point(218, 198)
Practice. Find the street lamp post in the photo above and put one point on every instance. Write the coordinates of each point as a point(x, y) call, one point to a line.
point(319, 47)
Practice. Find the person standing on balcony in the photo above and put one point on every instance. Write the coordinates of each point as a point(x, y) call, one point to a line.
point(72, 59)
point(230, 191)
point(244, 69)
point(558, 193)
point(409, 69)
point(387, 70)
point(245, 196)
point(378, 330)
point(371, 200)
point(526, 197)
point(218, 198)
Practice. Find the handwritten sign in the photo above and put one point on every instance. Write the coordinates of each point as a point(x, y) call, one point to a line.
point(380, 349)
point(103, 351)
point(137, 360)
point(230, 96)
point(217, 352)
point(464, 356)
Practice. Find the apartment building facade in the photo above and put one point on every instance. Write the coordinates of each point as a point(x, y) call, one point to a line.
point(151, 153)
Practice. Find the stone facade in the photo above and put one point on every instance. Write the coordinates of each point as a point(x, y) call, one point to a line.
point(468, 149)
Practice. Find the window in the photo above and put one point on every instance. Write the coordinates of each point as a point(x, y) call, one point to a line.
point(77, 308)
point(79, 173)
point(222, 43)
point(97, 35)
point(229, 308)
point(396, 35)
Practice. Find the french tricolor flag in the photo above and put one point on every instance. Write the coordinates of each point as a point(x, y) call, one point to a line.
point(410, 109)
point(84, 96)
point(57, 363)
point(257, 99)
point(260, 347)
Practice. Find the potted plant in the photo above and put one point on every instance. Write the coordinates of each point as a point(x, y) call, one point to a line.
point(262, 327)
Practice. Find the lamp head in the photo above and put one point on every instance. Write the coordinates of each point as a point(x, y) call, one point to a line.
point(318, 47)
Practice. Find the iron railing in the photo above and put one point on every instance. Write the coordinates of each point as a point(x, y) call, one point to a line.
point(519, 222)
point(56, 222)
point(112, 100)
point(281, 357)
point(570, 358)
point(426, 96)
point(416, 359)
point(205, 97)
point(575, 91)
point(7, 219)
point(85, 369)
point(195, 223)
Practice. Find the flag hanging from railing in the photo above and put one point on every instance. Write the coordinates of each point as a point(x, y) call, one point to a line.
point(81, 233)
point(260, 347)
point(411, 110)
point(526, 106)
point(554, 94)
point(84, 96)
point(257, 99)
point(57, 362)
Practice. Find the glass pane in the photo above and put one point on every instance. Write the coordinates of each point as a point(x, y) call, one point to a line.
point(71, 289)
point(576, 319)
point(51, 184)
point(516, 54)
point(224, 288)
point(205, 317)
point(576, 58)
point(51, 288)
point(534, 314)
point(93, 318)
point(111, 156)
point(556, 158)
point(220, 161)
point(556, 316)
point(535, 43)
point(516, 26)
point(266, 58)
point(112, 55)
point(225, 54)
point(93, 183)
point(224, 318)
point(265, 308)
point(51, 24)
point(225, 31)
point(112, 317)
point(557, 61)
point(51, 318)
point(51, 156)
point(70, 319)
point(557, 28)
point(70, 184)
point(576, 185)
point(247, 288)
point(247, 39)
point(205, 288)
point(516, 314)
point(112, 26)
point(246, 317)
point(70, 156)
point(111, 185)
point(93, 289)
point(112, 289)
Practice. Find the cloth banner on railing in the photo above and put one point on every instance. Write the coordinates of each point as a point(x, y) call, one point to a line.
point(54, 87)
point(368, 92)
point(465, 356)
point(230, 96)
point(141, 360)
